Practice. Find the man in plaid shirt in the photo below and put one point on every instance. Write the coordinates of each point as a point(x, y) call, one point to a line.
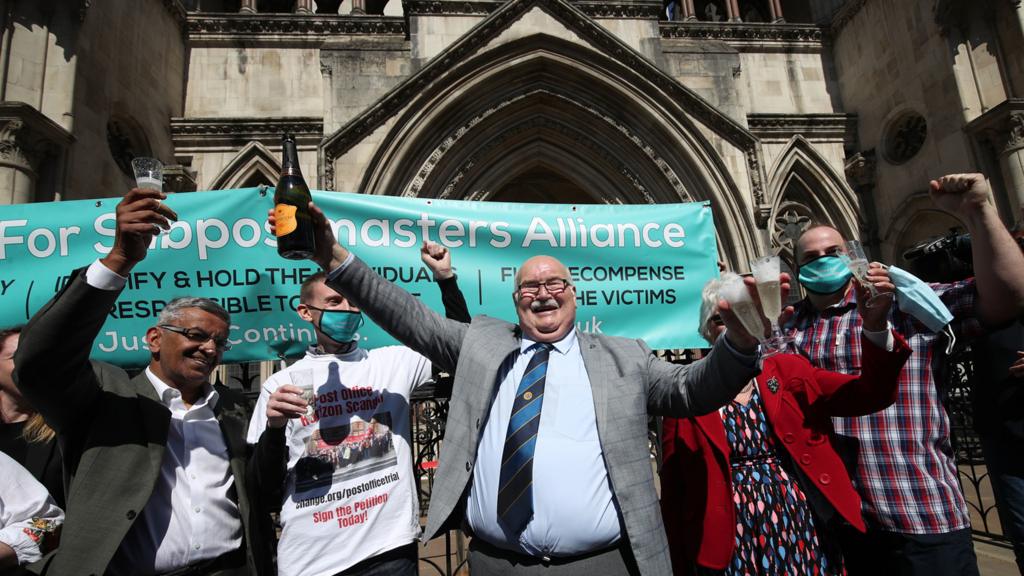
point(917, 519)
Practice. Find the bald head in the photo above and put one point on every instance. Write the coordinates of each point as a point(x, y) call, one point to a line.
point(542, 260)
point(817, 241)
point(547, 306)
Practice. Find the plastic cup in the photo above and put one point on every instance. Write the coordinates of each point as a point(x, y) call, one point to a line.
point(149, 173)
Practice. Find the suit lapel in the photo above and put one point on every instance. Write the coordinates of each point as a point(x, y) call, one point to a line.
point(501, 343)
point(231, 426)
point(155, 419)
point(769, 385)
point(714, 430)
point(599, 371)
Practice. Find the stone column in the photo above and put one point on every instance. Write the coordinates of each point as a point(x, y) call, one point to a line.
point(1001, 130)
point(860, 172)
point(30, 143)
point(17, 177)
point(775, 7)
point(304, 6)
point(359, 7)
point(1011, 161)
point(688, 11)
point(732, 10)
point(248, 7)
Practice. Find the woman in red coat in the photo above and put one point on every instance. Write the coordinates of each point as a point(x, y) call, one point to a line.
point(751, 488)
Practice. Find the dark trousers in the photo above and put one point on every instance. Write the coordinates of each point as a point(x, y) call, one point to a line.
point(1005, 460)
point(401, 561)
point(880, 553)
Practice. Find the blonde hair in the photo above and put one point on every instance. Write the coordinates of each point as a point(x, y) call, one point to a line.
point(36, 430)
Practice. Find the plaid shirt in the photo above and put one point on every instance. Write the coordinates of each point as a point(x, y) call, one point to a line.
point(906, 473)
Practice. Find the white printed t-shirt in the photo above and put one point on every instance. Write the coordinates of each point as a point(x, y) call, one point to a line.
point(350, 492)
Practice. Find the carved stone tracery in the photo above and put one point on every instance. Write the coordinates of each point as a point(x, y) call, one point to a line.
point(791, 219)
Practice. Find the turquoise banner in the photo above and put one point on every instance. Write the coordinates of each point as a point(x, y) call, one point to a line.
point(638, 269)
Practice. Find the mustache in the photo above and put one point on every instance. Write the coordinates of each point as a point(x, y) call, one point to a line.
point(545, 304)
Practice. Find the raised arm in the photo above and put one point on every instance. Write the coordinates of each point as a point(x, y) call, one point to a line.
point(51, 366)
point(998, 262)
point(698, 388)
point(439, 260)
point(876, 388)
point(399, 313)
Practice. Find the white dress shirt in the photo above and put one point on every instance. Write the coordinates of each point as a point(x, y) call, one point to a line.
point(192, 514)
point(30, 520)
point(574, 510)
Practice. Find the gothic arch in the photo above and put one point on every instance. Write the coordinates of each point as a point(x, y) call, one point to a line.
point(803, 188)
point(254, 164)
point(602, 123)
point(915, 220)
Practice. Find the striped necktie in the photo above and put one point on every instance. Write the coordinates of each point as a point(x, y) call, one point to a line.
point(515, 487)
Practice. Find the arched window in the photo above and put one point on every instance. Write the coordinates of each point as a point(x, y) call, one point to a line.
point(253, 165)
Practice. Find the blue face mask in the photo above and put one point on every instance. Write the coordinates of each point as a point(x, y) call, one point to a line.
point(340, 325)
point(916, 298)
point(824, 275)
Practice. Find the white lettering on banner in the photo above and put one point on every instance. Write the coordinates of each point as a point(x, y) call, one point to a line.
point(98, 226)
point(205, 242)
point(574, 232)
point(41, 242)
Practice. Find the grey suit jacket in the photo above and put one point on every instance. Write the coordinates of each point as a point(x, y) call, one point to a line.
point(113, 432)
point(628, 383)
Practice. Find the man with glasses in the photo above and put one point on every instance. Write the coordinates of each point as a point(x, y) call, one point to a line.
point(545, 456)
point(155, 465)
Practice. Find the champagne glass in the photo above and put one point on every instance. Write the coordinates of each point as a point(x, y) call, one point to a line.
point(734, 291)
point(766, 273)
point(149, 173)
point(857, 261)
point(303, 380)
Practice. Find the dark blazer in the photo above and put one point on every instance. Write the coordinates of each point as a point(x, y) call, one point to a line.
point(112, 430)
point(627, 380)
point(799, 401)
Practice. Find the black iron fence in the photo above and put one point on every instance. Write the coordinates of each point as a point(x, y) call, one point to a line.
point(429, 410)
point(973, 474)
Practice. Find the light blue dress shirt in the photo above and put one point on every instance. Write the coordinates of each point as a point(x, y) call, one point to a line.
point(574, 511)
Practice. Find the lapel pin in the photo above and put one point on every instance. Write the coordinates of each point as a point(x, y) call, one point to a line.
point(773, 384)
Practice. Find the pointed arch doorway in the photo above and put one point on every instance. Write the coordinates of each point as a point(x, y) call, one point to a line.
point(542, 184)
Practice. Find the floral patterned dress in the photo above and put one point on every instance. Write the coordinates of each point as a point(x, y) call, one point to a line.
point(775, 532)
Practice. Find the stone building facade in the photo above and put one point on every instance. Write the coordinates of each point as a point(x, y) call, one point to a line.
point(780, 112)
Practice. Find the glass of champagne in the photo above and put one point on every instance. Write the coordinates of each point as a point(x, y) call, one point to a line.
point(149, 173)
point(303, 380)
point(766, 273)
point(734, 291)
point(856, 259)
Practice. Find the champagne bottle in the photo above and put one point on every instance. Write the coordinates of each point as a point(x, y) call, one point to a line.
point(295, 238)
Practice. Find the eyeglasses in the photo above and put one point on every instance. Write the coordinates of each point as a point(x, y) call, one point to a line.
point(198, 336)
point(553, 286)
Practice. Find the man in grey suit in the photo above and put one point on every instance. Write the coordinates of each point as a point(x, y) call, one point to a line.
point(545, 459)
point(155, 465)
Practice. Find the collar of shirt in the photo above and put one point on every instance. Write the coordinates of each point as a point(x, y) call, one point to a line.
point(316, 353)
point(168, 395)
point(806, 312)
point(563, 346)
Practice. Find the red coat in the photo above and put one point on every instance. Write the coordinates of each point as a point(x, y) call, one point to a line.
point(799, 401)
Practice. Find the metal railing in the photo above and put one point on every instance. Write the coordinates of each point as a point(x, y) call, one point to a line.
point(975, 481)
point(429, 411)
